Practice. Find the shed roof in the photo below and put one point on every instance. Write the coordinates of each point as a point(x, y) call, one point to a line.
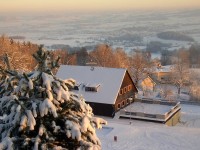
point(109, 79)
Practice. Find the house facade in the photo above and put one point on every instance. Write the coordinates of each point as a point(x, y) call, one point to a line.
point(107, 90)
point(147, 84)
point(127, 91)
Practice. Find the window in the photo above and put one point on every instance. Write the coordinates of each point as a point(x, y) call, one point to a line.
point(133, 114)
point(150, 116)
point(92, 88)
point(125, 89)
point(118, 106)
point(127, 101)
point(76, 87)
point(123, 103)
point(121, 92)
point(129, 87)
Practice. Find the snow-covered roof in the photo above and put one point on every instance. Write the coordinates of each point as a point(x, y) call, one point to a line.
point(109, 79)
point(149, 108)
point(167, 68)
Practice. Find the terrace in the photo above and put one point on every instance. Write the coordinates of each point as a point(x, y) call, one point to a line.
point(153, 110)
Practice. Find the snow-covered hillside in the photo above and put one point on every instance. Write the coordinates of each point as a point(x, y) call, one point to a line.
point(140, 135)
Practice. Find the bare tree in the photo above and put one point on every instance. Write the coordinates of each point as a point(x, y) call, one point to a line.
point(194, 86)
point(166, 92)
point(139, 66)
point(180, 72)
point(65, 57)
point(103, 56)
point(121, 58)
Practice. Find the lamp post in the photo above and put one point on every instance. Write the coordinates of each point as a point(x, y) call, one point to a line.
point(130, 100)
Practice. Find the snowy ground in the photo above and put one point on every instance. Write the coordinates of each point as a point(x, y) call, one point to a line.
point(140, 135)
point(163, 87)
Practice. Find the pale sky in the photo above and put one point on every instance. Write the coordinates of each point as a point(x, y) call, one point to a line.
point(93, 5)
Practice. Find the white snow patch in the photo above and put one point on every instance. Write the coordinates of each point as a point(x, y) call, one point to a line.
point(30, 84)
point(148, 108)
point(47, 80)
point(46, 106)
point(31, 120)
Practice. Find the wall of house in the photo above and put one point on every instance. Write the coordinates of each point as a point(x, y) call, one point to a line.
point(127, 90)
point(174, 119)
point(102, 109)
point(147, 85)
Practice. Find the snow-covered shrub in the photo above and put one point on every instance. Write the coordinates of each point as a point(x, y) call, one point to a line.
point(40, 112)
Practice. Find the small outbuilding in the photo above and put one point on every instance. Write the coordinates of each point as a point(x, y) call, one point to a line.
point(163, 73)
point(107, 90)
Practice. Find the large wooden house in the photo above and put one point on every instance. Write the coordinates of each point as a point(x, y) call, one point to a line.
point(107, 90)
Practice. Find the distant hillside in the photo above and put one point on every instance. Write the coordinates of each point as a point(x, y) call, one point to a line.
point(127, 37)
point(156, 46)
point(172, 35)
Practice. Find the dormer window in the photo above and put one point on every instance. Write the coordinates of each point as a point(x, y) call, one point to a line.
point(92, 87)
point(77, 86)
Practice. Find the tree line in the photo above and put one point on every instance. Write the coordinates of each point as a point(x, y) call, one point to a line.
point(19, 53)
point(138, 63)
point(191, 56)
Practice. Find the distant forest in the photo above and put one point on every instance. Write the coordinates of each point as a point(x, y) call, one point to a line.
point(157, 46)
point(172, 35)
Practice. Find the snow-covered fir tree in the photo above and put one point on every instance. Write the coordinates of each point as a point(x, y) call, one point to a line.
point(8, 78)
point(40, 112)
